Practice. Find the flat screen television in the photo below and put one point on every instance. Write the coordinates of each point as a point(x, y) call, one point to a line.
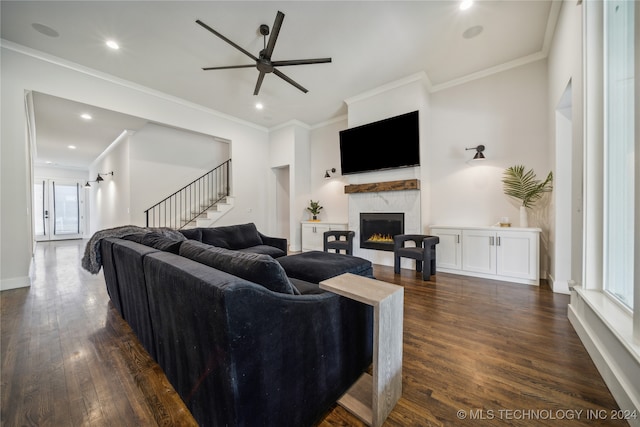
point(387, 144)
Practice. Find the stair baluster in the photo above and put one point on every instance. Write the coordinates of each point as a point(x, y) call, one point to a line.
point(191, 201)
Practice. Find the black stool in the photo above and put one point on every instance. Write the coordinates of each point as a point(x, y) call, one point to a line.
point(423, 252)
point(337, 244)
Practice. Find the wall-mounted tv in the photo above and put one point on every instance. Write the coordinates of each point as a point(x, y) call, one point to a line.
point(387, 144)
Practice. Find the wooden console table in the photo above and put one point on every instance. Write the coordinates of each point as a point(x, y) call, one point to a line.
point(373, 397)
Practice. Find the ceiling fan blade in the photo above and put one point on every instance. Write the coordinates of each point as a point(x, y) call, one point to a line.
point(205, 26)
point(288, 80)
point(300, 62)
point(228, 67)
point(275, 30)
point(259, 82)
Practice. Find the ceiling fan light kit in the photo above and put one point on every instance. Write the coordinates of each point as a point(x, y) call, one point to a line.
point(263, 62)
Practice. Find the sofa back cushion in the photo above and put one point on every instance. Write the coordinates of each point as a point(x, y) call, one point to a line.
point(232, 236)
point(257, 268)
point(192, 233)
point(157, 241)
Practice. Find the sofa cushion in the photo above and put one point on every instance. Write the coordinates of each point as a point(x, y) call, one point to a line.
point(307, 288)
point(156, 241)
point(232, 236)
point(272, 251)
point(192, 234)
point(257, 268)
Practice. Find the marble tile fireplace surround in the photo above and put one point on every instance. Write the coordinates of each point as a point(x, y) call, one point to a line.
point(388, 198)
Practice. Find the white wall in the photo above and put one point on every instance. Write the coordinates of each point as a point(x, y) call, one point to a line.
point(564, 68)
point(289, 148)
point(24, 69)
point(505, 112)
point(109, 199)
point(325, 154)
point(163, 160)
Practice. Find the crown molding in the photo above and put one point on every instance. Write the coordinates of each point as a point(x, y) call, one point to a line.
point(289, 123)
point(417, 77)
point(489, 71)
point(338, 119)
point(550, 31)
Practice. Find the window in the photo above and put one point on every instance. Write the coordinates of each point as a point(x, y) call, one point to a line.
point(619, 154)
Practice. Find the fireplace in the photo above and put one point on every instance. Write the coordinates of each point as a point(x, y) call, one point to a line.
point(377, 230)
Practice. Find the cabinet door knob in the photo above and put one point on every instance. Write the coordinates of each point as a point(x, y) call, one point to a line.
point(491, 241)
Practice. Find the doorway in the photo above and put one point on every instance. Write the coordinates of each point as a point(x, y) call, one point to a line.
point(57, 205)
point(568, 199)
point(283, 203)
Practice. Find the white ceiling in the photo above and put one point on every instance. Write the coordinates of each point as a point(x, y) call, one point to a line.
point(59, 125)
point(372, 43)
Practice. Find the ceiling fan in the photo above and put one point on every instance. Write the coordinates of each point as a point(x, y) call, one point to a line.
point(263, 62)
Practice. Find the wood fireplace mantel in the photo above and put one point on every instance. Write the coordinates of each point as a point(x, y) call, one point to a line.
point(374, 187)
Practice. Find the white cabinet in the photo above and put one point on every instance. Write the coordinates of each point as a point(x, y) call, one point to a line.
point(478, 251)
point(313, 234)
point(510, 254)
point(449, 250)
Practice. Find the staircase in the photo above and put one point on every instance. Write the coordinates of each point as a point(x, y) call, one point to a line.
point(200, 203)
point(213, 214)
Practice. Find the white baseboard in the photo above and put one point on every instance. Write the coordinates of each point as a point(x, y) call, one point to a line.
point(618, 364)
point(559, 286)
point(15, 283)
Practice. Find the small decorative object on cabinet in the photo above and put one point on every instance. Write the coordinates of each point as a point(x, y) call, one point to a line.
point(526, 188)
point(314, 208)
point(508, 254)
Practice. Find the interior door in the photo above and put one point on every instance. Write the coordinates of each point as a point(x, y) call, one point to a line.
point(57, 209)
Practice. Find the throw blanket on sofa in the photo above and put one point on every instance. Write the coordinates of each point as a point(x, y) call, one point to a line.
point(92, 259)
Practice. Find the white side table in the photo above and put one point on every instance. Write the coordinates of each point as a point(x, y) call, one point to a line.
point(373, 397)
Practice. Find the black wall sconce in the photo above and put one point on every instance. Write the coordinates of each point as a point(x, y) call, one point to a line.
point(479, 149)
point(326, 173)
point(100, 178)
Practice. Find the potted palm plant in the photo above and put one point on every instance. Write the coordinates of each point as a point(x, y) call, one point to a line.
point(314, 208)
point(524, 186)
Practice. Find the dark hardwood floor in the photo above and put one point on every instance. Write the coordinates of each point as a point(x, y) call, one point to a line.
point(476, 352)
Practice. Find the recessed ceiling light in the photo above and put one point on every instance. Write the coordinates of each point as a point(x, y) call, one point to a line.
point(43, 29)
point(466, 4)
point(48, 162)
point(112, 45)
point(472, 32)
point(86, 116)
point(259, 106)
point(71, 147)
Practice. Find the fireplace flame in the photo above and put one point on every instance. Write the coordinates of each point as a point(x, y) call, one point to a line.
point(380, 238)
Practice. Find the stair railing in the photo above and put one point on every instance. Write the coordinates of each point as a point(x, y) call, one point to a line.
point(192, 200)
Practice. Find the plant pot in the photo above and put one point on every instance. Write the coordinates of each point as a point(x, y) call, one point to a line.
point(524, 217)
point(315, 217)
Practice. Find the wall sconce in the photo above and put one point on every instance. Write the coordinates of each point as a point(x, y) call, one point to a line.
point(479, 149)
point(87, 185)
point(100, 178)
point(326, 173)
